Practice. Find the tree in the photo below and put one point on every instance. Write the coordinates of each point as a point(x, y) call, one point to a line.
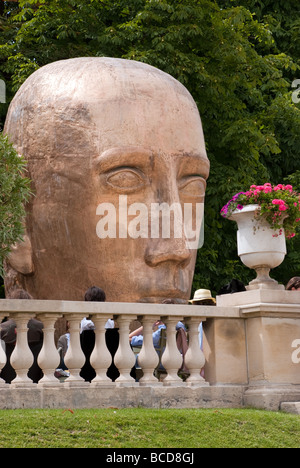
point(233, 56)
point(282, 18)
point(14, 193)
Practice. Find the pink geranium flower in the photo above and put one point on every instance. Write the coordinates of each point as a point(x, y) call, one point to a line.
point(279, 204)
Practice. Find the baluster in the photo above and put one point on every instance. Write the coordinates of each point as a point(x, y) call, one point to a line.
point(49, 359)
point(194, 358)
point(148, 358)
point(74, 358)
point(124, 358)
point(171, 358)
point(2, 355)
point(22, 357)
point(100, 357)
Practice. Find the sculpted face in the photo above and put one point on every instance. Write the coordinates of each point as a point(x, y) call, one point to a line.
point(108, 141)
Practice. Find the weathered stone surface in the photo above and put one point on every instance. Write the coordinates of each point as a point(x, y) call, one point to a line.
point(291, 407)
point(122, 397)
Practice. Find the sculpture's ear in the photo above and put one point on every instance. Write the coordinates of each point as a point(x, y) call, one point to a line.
point(20, 257)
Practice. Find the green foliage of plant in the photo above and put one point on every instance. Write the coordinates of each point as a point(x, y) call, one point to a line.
point(148, 428)
point(238, 58)
point(14, 193)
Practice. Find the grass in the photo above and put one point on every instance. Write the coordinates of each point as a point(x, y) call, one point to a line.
point(145, 428)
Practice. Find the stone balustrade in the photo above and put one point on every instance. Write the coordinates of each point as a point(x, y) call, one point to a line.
point(251, 354)
point(124, 313)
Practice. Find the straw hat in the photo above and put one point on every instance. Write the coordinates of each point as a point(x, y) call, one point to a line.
point(202, 295)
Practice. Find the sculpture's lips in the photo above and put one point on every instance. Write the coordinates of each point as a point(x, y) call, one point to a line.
point(168, 284)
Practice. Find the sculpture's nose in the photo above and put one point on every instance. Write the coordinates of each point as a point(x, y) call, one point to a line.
point(167, 241)
point(167, 250)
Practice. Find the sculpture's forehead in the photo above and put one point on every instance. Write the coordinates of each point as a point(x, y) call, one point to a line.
point(93, 78)
point(72, 89)
point(79, 108)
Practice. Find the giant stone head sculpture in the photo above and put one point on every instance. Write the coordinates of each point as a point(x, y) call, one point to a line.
point(107, 142)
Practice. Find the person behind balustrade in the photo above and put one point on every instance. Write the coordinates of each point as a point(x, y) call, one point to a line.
point(35, 342)
point(202, 297)
point(87, 341)
point(136, 337)
point(87, 338)
point(293, 284)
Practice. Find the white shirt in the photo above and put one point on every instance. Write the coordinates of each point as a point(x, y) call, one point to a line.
point(89, 325)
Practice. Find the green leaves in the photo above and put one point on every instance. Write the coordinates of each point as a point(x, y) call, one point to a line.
point(14, 193)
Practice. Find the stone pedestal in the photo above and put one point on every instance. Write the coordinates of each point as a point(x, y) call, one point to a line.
point(270, 326)
point(224, 344)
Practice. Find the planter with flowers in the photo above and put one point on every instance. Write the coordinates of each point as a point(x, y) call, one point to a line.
point(266, 215)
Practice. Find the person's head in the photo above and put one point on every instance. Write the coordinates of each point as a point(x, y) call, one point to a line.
point(168, 301)
point(203, 297)
point(95, 294)
point(293, 284)
point(107, 141)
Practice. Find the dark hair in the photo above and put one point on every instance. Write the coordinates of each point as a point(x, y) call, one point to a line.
point(20, 294)
point(95, 294)
point(293, 283)
point(168, 301)
point(234, 286)
point(204, 302)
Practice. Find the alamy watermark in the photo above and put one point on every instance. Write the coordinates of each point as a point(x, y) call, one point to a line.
point(2, 92)
point(296, 93)
point(296, 353)
point(159, 221)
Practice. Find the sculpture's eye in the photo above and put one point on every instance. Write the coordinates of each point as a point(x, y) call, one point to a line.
point(125, 179)
point(193, 186)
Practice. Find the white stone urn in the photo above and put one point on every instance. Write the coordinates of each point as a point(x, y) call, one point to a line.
point(259, 247)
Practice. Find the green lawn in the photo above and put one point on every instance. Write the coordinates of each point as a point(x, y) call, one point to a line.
point(145, 428)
